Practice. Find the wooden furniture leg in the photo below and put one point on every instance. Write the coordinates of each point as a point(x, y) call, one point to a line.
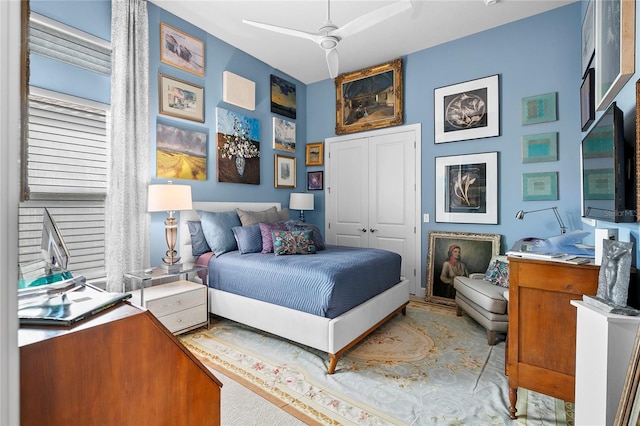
point(513, 398)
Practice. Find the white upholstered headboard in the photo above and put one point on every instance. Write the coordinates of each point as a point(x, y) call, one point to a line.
point(184, 246)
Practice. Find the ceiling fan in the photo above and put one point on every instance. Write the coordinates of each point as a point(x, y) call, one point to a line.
point(329, 34)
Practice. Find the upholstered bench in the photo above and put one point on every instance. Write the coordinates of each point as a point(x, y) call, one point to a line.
point(484, 300)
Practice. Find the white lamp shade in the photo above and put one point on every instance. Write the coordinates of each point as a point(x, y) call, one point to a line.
point(301, 201)
point(169, 198)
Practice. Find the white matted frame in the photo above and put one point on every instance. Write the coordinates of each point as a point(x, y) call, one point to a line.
point(179, 98)
point(468, 110)
point(467, 188)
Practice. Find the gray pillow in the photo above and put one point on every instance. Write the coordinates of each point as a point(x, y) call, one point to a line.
point(253, 217)
point(199, 244)
point(216, 227)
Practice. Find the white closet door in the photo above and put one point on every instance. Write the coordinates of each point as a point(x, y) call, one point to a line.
point(348, 198)
point(392, 197)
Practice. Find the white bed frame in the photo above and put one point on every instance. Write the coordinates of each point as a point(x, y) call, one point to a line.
point(334, 336)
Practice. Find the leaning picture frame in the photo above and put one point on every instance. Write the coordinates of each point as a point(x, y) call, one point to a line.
point(181, 50)
point(469, 110)
point(179, 98)
point(474, 252)
point(615, 48)
point(467, 188)
point(284, 171)
point(369, 99)
point(628, 412)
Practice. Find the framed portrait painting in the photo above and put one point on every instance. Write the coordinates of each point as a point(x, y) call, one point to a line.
point(468, 110)
point(467, 188)
point(451, 254)
point(178, 98)
point(181, 50)
point(369, 99)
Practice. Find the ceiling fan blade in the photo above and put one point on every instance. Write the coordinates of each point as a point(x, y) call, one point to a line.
point(332, 62)
point(372, 18)
point(283, 30)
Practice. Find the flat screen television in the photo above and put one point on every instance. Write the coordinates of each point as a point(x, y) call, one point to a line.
point(608, 170)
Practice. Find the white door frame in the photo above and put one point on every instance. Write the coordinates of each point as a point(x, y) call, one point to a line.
point(418, 290)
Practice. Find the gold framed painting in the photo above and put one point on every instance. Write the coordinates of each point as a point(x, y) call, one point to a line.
point(315, 154)
point(370, 98)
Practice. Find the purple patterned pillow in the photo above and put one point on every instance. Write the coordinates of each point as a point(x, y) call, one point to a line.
point(267, 237)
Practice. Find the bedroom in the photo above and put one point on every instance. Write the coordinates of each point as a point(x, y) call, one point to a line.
point(529, 67)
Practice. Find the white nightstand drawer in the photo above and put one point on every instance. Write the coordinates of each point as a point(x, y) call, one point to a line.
point(184, 319)
point(164, 302)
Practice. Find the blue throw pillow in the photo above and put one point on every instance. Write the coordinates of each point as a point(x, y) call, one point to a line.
point(248, 238)
point(217, 230)
point(199, 244)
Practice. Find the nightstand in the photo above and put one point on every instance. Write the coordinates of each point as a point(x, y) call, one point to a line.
point(180, 305)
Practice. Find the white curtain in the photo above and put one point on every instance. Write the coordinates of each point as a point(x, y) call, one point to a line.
point(127, 221)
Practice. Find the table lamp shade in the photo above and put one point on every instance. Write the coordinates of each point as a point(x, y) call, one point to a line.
point(169, 198)
point(301, 201)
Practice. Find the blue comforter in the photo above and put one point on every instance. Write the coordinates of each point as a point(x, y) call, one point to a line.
point(327, 284)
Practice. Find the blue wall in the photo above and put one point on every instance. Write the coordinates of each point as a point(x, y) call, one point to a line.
point(533, 56)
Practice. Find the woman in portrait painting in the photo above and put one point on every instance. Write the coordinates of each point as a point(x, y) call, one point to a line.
point(453, 267)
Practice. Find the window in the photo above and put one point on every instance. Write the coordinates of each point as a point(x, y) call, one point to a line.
point(66, 170)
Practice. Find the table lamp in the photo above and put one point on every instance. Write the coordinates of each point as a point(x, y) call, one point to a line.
point(301, 201)
point(170, 198)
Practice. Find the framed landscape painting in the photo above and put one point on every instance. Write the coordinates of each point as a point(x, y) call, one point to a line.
point(468, 110)
point(180, 153)
point(181, 50)
point(470, 252)
point(178, 98)
point(283, 97)
point(369, 99)
point(284, 135)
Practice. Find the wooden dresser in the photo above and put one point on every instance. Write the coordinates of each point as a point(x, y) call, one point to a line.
point(121, 367)
point(541, 348)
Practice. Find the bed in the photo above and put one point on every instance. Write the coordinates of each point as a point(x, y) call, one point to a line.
point(332, 335)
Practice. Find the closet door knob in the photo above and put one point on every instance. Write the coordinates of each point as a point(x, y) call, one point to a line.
point(363, 229)
point(372, 230)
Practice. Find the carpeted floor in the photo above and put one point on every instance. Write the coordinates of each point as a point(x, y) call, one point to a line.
point(428, 367)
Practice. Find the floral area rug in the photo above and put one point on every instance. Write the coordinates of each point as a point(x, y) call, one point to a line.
point(426, 368)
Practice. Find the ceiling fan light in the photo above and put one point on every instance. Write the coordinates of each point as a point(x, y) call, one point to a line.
point(490, 2)
point(328, 42)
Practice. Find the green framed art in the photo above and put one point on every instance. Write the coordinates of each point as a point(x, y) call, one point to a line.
point(540, 186)
point(540, 148)
point(539, 109)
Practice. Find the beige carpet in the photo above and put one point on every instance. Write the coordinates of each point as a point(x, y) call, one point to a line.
point(429, 367)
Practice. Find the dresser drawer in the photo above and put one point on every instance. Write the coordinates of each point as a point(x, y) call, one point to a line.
point(168, 304)
point(184, 319)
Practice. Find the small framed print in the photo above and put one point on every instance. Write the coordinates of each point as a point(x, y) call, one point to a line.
point(540, 186)
point(468, 110)
point(315, 154)
point(587, 100)
point(284, 135)
point(285, 171)
point(178, 98)
point(539, 148)
point(539, 109)
point(181, 50)
point(314, 181)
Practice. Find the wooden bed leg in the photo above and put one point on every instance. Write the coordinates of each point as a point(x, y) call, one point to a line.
point(404, 310)
point(333, 363)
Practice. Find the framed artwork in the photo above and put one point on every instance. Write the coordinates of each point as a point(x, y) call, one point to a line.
point(587, 100)
point(284, 135)
point(628, 412)
point(285, 171)
point(539, 109)
point(181, 99)
point(540, 186)
point(598, 184)
point(468, 110)
point(180, 153)
point(588, 34)
point(452, 254)
point(181, 50)
point(539, 148)
point(615, 48)
point(283, 97)
point(315, 154)
point(638, 148)
point(370, 98)
point(314, 181)
point(238, 147)
point(467, 188)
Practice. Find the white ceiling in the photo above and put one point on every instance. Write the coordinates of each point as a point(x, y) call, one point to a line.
point(427, 24)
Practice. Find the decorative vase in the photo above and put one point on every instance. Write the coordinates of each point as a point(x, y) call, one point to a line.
point(240, 163)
